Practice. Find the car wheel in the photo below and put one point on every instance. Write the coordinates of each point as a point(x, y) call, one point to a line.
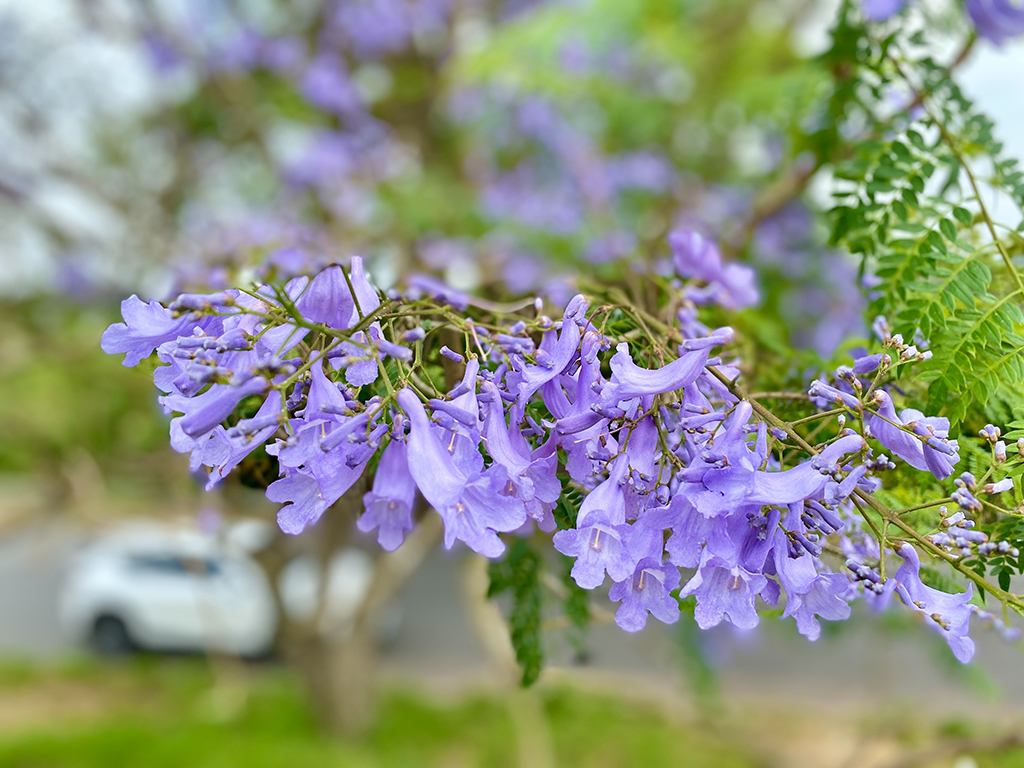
point(110, 637)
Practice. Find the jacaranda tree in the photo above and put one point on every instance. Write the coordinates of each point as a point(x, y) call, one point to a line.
point(631, 419)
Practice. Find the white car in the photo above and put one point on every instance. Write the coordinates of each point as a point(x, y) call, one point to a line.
point(163, 588)
point(159, 587)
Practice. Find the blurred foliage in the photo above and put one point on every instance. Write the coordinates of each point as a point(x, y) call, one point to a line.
point(168, 713)
point(688, 61)
point(155, 714)
point(60, 395)
point(912, 201)
point(519, 571)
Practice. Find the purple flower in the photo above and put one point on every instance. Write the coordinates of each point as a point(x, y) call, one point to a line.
point(996, 20)
point(724, 591)
point(327, 299)
point(359, 358)
point(325, 457)
point(949, 614)
point(827, 396)
point(464, 407)
point(223, 450)
point(690, 531)
point(825, 599)
point(642, 452)
point(316, 478)
point(204, 412)
point(532, 476)
point(990, 432)
point(880, 10)
point(472, 505)
point(599, 545)
point(630, 380)
point(647, 533)
point(869, 363)
point(646, 591)
point(579, 429)
point(389, 503)
point(302, 499)
point(741, 483)
point(324, 400)
point(937, 454)
point(579, 414)
point(365, 295)
point(732, 286)
point(560, 352)
point(327, 85)
point(333, 472)
point(607, 500)
point(146, 327)
point(1006, 484)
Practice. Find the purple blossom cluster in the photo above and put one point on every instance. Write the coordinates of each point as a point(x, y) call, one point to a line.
point(995, 20)
point(691, 489)
point(536, 167)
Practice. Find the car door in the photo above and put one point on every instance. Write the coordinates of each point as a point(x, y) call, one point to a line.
point(164, 604)
point(236, 606)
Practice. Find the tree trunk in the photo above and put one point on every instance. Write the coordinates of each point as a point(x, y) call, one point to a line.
point(338, 664)
point(339, 676)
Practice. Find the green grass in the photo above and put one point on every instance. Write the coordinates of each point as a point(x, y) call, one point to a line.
point(177, 713)
point(164, 714)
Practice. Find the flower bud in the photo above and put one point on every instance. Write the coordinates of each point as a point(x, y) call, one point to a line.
point(394, 350)
point(990, 433)
point(1006, 484)
point(451, 355)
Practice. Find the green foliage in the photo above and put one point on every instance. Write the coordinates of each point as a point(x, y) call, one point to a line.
point(1002, 567)
point(910, 202)
point(173, 714)
point(520, 572)
point(62, 398)
point(702, 80)
point(567, 507)
point(700, 673)
point(577, 606)
point(937, 579)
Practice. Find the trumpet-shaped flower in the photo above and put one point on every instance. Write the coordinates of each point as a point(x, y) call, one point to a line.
point(646, 591)
point(389, 504)
point(472, 505)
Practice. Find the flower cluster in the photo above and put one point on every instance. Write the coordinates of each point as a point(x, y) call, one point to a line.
point(683, 475)
point(995, 20)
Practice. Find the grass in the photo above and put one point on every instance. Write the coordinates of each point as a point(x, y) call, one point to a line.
point(183, 713)
point(153, 713)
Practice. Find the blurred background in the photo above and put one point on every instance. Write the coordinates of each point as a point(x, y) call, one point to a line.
point(152, 146)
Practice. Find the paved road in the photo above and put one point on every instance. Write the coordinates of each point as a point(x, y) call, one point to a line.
point(857, 664)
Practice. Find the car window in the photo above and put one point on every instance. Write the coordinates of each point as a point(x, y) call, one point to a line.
point(172, 565)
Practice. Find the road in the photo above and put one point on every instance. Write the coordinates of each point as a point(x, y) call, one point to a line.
point(856, 664)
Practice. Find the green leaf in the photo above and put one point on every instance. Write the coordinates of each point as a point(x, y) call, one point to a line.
point(963, 216)
point(567, 508)
point(577, 606)
point(520, 571)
